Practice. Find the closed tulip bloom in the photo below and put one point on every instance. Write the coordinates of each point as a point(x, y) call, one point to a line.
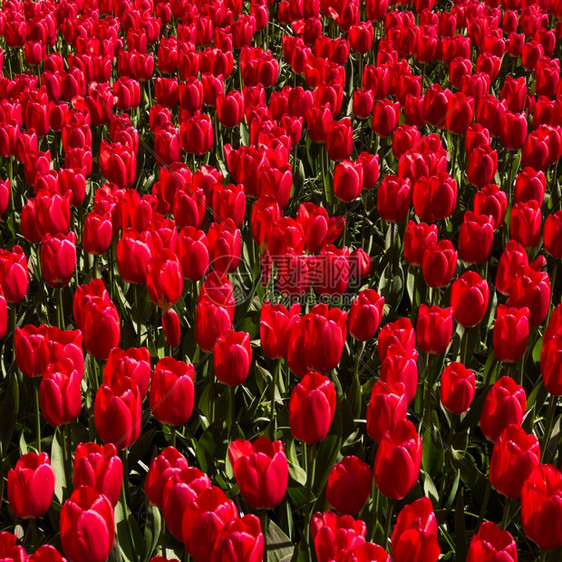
point(482, 166)
point(100, 468)
point(164, 279)
point(229, 202)
point(59, 393)
point(365, 314)
point(504, 405)
point(349, 485)
point(230, 108)
point(182, 487)
point(552, 235)
point(101, 318)
point(31, 484)
point(476, 237)
point(530, 185)
point(418, 237)
point(399, 333)
point(513, 130)
point(311, 408)
point(386, 115)
point(261, 471)
point(332, 270)
point(193, 253)
point(434, 328)
point(332, 534)
point(46, 553)
point(58, 259)
point(196, 134)
point(439, 263)
point(134, 251)
point(490, 543)
point(399, 366)
point(206, 516)
point(117, 413)
point(387, 405)
point(398, 460)
point(14, 275)
point(393, 198)
point(511, 333)
point(118, 163)
point(162, 468)
point(469, 299)
point(415, 533)
point(211, 321)
point(171, 393)
point(525, 223)
point(363, 103)
point(317, 339)
point(435, 197)
point(225, 245)
point(511, 263)
point(348, 180)
point(458, 386)
point(531, 289)
point(491, 201)
point(97, 233)
point(275, 325)
point(551, 362)
point(514, 457)
point(460, 112)
point(133, 362)
point(541, 506)
point(339, 140)
point(232, 357)
point(87, 526)
point(241, 540)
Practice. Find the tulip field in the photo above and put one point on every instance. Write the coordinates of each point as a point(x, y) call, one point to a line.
point(279, 280)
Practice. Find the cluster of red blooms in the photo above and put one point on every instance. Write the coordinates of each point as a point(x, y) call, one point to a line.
point(188, 229)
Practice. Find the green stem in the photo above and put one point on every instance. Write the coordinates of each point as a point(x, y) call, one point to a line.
point(505, 519)
point(136, 290)
point(173, 435)
point(264, 527)
point(67, 456)
point(60, 309)
point(36, 384)
point(388, 523)
point(485, 501)
point(464, 345)
point(310, 462)
point(548, 426)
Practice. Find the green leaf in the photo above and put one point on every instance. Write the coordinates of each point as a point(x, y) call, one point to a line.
point(460, 528)
point(128, 531)
point(328, 451)
point(9, 412)
point(432, 452)
point(57, 464)
point(212, 445)
point(152, 530)
point(279, 545)
point(301, 552)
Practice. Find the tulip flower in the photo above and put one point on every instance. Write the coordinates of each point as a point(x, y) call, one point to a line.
point(100, 468)
point(261, 471)
point(398, 460)
point(241, 540)
point(31, 485)
point(415, 533)
point(59, 393)
point(434, 328)
point(514, 456)
point(469, 299)
point(169, 462)
point(87, 525)
point(511, 333)
point(232, 357)
point(206, 516)
point(171, 393)
point(458, 386)
point(541, 506)
point(311, 408)
point(180, 489)
point(491, 543)
point(349, 485)
point(504, 405)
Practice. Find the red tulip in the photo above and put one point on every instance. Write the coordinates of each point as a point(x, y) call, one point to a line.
point(171, 393)
point(541, 501)
point(31, 485)
point(469, 299)
point(133, 363)
point(261, 471)
point(490, 543)
point(504, 405)
point(458, 385)
point(13, 274)
point(232, 357)
point(511, 333)
point(164, 279)
point(387, 405)
point(58, 259)
point(415, 533)
point(419, 236)
point(393, 198)
point(117, 413)
point(398, 459)
point(349, 485)
point(241, 540)
point(514, 456)
point(169, 462)
point(87, 525)
point(333, 534)
point(100, 468)
point(438, 264)
point(434, 328)
point(311, 408)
